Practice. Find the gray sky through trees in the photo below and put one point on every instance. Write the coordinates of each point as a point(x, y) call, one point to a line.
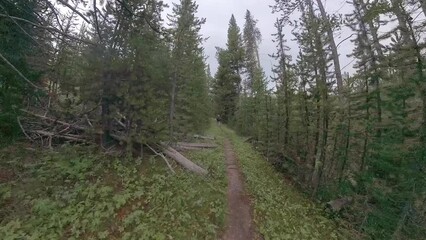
point(218, 13)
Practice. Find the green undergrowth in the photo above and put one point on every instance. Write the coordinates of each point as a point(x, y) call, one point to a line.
point(280, 211)
point(77, 193)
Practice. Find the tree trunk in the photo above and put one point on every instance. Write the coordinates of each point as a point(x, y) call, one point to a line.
point(423, 5)
point(182, 160)
point(401, 16)
point(422, 86)
point(322, 121)
point(172, 107)
point(335, 54)
point(105, 114)
point(369, 51)
point(367, 128)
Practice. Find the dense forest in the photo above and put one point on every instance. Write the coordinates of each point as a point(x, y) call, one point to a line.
point(361, 137)
point(125, 76)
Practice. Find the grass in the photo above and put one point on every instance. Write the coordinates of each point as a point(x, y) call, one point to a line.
point(77, 193)
point(280, 211)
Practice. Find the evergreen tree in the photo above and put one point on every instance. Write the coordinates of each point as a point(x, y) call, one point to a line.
point(227, 86)
point(252, 114)
point(283, 81)
point(189, 100)
point(252, 38)
point(235, 48)
point(18, 43)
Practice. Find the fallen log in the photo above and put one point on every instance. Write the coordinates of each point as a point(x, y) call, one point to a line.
point(162, 156)
point(196, 145)
point(337, 205)
point(186, 148)
point(182, 160)
point(203, 137)
point(173, 154)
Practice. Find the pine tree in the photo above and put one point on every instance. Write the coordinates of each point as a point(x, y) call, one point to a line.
point(254, 100)
point(283, 79)
point(189, 91)
point(227, 86)
point(235, 48)
point(17, 44)
point(252, 37)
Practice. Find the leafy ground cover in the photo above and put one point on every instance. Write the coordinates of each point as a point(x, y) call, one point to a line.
point(280, 211)
point(77, 193)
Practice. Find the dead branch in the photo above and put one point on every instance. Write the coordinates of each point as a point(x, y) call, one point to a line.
point(186, 148)
point(23, 130)
point(196, 145)
point(51, 135)
point(20, 27)
point(204, 137)
point(88, 120)
point(120, 123)
point(75, 10)
point(54, 120)
point(162, 156)
point(50, 29)
point(118, 138)
point(19, 72)
point(337, 205)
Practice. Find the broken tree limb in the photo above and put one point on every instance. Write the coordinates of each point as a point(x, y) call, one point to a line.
point(337, 205)
point(120, 123)
point(23, 130)
point(196, 145)
point(163, 157)
point(53, 120)
point(186, 148)
point(88, 120)
point(19, 73)
point(182, 160)
point(203, 137)
point(53, 135)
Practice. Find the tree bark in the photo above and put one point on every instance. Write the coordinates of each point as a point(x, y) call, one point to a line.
point(105, 113)
point(172, 106)
point(401, 16)
point(422, 86)
point(335, 54)
point(423, 5)
point(182, 160)
point(196, 145)
point(322, 91)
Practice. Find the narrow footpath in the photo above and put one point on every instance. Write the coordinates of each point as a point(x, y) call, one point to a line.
point(239, 222)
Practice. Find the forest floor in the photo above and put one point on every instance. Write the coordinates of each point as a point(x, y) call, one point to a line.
point(75, 192)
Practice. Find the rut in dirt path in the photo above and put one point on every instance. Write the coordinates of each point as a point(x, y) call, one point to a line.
point(239, 223)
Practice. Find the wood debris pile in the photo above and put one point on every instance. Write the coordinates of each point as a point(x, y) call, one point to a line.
point(50, 131)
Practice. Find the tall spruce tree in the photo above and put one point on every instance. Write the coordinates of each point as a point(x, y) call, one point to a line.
point(253, 113)
point(227, 85)
point(189, 97)
point(252, 38)
point(17, 74)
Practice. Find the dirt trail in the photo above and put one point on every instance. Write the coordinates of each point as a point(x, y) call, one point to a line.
point(239, 220)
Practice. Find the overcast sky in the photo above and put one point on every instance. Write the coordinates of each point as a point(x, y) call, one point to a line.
point(218, 13)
